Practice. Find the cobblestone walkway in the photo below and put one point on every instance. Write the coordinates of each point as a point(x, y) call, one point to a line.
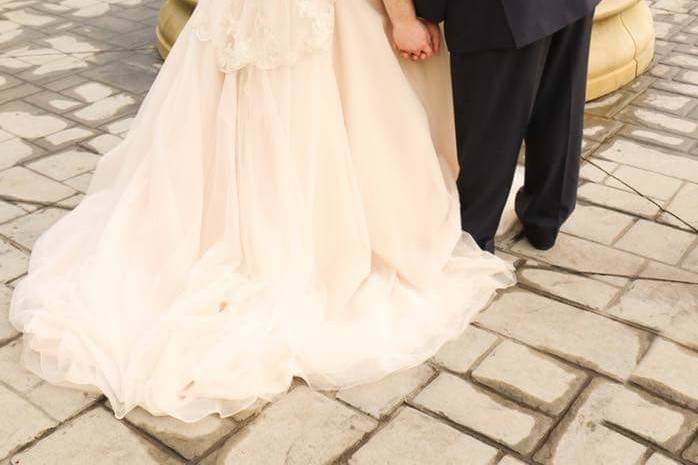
point(595, 368)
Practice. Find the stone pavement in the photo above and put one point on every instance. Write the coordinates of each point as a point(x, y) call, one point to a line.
point(597, 366)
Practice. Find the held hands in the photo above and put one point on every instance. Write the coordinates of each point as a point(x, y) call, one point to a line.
point(416, 39)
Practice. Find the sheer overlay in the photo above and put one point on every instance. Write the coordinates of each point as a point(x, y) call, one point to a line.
point(262, 223)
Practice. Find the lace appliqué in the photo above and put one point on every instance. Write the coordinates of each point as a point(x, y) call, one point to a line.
point(264, 33)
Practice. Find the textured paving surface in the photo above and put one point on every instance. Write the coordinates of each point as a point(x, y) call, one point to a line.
point(595, 368)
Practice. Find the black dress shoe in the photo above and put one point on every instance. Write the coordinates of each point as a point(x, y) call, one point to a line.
point(541, 240)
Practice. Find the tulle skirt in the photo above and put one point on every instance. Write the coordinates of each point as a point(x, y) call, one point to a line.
point(262, 225)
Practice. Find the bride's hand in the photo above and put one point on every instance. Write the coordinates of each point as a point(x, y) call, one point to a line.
point(413, 39)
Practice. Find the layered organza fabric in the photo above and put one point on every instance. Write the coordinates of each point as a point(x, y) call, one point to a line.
point(262, 224)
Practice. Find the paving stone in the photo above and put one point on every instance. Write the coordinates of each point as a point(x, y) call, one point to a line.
point(651, 159)
point(12, 373)
point(7, 81)
point(90, 92)
point(658, 120)
point(652, 419)
point(21, 183)
point(481, 411)
point(658, 459)
point(664, 30)
point(670, 371)
point(678, 6)
point(80, 183)
point(53, 102)
point(13, 263)
point(303, 428)
point(609, 105)
point(530, 377)
point(413, 438)
point(656, 270)
point(104, 143)
point(27, 229)
point(682, 60)
point(191, 440)
point(106, 109)
point(691, 260)
point(461, 354)
point(582, 255)
point(55, 69)
point(597, 224)
point(116, 24)
point(382, 398)
point(668, 308)
point(582, 337)
point(691, 453)
point(618, 199)
point(509, 460)
point(120, 127)
point(640, 84)
point(27, 17)
point(122, 76)
point(61, 403)
point(685, 89)
point(66, 164)
point(29, 122)
point(140, 38)
point(14, 151)
point(582, 439)
point(669, 102)
point(662, 243)
point(94, 437)
point(599, 129)
point(65, 138)
point(597, 171)
point(648, 183)
point(71, 202)
point(21, 424)
point(686, 76)
point(66, 82)
point(671, 141)
point(586, 291)
point(9, 211)
point(7, 331)
point(684, 204)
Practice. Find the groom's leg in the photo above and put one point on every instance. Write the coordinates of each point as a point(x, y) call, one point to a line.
point(493, 92)
point(554, 137)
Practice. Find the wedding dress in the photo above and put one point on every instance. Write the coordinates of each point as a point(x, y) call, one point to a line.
point(283, 206)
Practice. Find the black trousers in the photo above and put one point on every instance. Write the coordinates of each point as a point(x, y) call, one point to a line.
point(503, 97)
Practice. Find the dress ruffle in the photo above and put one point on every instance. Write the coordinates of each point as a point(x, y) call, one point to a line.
point(261, 225)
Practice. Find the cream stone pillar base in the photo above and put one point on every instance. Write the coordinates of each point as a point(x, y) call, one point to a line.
point(622, 44)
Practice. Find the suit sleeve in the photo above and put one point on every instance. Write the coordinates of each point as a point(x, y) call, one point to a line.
point(433, 10)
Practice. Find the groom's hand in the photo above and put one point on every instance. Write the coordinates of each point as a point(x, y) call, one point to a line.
point(413, 39)
point(435, 34)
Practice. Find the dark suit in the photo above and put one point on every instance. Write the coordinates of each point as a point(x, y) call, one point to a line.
point(519, 72)
point(473, 25)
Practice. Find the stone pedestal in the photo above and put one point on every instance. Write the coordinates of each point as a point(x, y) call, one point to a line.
point(622, 43)
point(174, 14)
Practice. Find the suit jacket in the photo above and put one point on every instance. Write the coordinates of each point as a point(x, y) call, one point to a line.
point(475, 25)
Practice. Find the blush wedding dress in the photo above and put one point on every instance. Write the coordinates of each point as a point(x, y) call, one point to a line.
point(283, 206)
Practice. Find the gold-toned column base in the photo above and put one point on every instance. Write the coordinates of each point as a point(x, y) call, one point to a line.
point(622, 44)
point(174, 14)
